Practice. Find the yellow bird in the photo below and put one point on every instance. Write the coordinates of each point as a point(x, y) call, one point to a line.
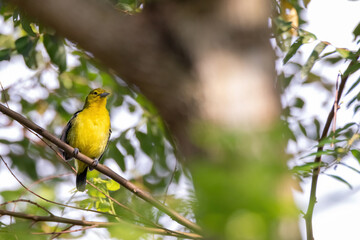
point(88, 131)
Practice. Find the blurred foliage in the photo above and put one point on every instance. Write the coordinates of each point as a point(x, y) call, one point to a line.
point(62, 76)
point(235, 202)
point(250, 186)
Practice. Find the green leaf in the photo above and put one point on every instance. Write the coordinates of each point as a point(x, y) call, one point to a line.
point(339, 179)
point(85, 203)
point(125, 143)
point(356, 154)
point(25, 23)
point(146, 143)
point(125, 7)
point(11, 195)
point(26, 47)
point(357, 97)
point(307, 167)
point(283, 25)
point(299, 103)
point(348, 125)
point(344, 53)
point(352, 69)
point(356, 31)
point(306, 3)
point(94, 192)
point(329, 140)
point(5, 54)
point(56, 50)
point(350, 167)
point(302, 128)
point(353, 86)
point(16, 17)
point(112, 185)
point(311, 78)
point(312, 59)
point(317, 125)
point(7, 41)
point(116, 154)
point(333, 60)
point(320, 153)
point(308, 37)
point(23, 45)
point(102, 206)
point(293, 48)
point(356, 109)
point(285, 81)
point(328, 54)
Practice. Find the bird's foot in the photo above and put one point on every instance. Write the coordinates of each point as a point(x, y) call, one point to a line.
point(93, 165)
point(76, 152)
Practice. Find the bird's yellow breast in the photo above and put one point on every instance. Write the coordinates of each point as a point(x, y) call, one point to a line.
point(90, 131)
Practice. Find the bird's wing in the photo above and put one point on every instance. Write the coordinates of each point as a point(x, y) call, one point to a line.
point(107, 144)
point(65, 133)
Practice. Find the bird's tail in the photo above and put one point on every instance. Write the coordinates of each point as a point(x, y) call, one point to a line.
point(81, 180)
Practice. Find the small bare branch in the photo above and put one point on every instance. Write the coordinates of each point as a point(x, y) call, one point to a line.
point(28, 201)
point(57, 219)
point(336, 107)
point(316, 171)
point(47, 200)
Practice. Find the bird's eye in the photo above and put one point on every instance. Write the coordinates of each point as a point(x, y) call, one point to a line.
point(95, 93)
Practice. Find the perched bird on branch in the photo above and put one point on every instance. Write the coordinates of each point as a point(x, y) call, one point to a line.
point(88, 131)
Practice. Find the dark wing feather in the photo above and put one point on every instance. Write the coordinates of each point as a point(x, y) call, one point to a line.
point(64, 136)
point(107, 144)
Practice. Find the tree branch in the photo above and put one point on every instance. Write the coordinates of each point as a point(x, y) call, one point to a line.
point(312, 201)
point(101, 168)
point(57, 219)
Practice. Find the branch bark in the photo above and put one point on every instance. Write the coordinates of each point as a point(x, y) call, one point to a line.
point(101, 168)
point(57, 219)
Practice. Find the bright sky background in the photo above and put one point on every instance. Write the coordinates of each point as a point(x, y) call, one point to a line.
point(337, 213)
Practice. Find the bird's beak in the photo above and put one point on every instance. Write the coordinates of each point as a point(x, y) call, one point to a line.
point(104, 94)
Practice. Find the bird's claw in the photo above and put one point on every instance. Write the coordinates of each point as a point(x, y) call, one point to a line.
point(93, 165)
point(76, 152)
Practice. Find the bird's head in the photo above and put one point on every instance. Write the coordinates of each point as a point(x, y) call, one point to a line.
point(96, 97)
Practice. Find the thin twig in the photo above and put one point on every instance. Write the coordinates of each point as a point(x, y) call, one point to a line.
point(103, 169)
point(47, 200)
point(37, 218)
point(65, 231)
point(28, 201)
point(55, 235)
point(336, 107)
point(57, 219)
point(312, 200)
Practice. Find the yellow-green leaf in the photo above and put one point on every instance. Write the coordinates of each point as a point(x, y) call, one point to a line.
point(112, 185)
point(312, 59)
